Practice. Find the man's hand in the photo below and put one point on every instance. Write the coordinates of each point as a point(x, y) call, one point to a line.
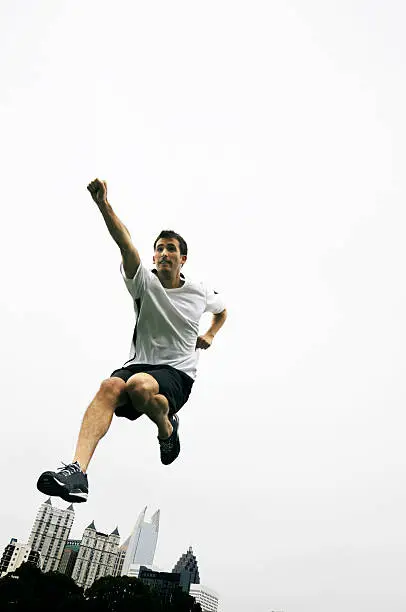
point(98, 190)
point(203, 342)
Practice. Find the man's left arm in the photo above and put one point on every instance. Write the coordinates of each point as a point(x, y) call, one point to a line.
point(204, 341)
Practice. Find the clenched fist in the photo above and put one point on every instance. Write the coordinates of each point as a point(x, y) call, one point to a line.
point(204, 342)
point(98, 191)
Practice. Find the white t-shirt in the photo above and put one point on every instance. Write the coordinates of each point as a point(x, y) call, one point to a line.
point(167, 324)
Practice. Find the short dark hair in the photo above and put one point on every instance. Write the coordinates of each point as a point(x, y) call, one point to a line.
point(172, 234)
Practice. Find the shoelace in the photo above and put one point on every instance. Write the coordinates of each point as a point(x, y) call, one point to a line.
point(68, 469)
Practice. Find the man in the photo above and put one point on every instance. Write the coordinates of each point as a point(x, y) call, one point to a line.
point(158, 378)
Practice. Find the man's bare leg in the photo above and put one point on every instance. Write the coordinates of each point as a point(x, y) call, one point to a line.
point(97, 419)
point(70, 482)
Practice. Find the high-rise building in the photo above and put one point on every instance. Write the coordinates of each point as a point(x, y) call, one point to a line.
point(207, 598)
point(16, 554)
point(97, 556)
point(50, 532)
point(188, 570)
point(142, 542)
point(69, 557)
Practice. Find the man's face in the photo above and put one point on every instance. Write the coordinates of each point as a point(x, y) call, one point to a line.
point(167, 257)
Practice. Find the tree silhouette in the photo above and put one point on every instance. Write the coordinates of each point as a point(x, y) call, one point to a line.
point(120, 595)
point(30, 590)
point(182, 602)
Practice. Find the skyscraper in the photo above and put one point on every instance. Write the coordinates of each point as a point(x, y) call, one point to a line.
point(50, 532)
point(97, 556)
point(142, 543)
point(188, 570)
point(16, 554)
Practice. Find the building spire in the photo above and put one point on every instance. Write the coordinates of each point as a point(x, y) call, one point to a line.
point(188, 570)
point(142, 542)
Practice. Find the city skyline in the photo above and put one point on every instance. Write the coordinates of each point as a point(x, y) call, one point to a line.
point(99, 554)
point(62, 516)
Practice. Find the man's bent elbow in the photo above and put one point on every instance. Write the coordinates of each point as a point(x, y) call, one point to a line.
point(131, 261)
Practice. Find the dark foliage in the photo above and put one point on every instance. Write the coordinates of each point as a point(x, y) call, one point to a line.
point(119, 595)
point(29, 590)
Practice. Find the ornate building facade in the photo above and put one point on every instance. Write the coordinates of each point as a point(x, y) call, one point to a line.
point(97, 556)
point(50, 533)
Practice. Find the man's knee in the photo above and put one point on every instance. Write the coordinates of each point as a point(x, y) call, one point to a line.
point(112, 388)
point(141, 388)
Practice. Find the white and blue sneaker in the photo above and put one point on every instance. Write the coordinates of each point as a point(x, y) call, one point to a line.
point(69, 483)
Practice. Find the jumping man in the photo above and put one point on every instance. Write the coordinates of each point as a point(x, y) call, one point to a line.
point(158, 378)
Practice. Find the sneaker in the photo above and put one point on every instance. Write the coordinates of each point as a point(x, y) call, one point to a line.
point(170, 447)
point(69, 482)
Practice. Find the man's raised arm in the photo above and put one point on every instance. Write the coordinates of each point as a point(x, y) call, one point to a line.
point(117, 229)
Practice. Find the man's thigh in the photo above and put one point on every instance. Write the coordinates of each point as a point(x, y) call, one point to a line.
point(125, 406)
point(172, 384)
point(150, 375)
point(142, 382)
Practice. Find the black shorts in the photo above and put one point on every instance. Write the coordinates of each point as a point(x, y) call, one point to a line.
point(173, 384)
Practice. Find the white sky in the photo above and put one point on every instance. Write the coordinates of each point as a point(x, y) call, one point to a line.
point(272, 136)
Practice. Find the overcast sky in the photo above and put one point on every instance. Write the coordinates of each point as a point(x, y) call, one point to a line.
point(272, 136)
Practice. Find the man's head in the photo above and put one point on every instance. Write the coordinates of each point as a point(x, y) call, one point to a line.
point(170, 252)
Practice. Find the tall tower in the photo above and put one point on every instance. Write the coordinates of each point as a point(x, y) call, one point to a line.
point(188, 570)
point(142, 544)
point(50, 533)
point(97, 556)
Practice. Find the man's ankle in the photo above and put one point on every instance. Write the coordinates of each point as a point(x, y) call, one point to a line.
point(165, 431)
point(79, 464)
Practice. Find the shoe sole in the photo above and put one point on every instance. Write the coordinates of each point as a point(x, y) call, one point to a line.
point(48, 485)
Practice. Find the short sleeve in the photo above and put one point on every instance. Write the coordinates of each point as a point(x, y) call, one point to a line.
point(137, 285)
point(214, 302)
